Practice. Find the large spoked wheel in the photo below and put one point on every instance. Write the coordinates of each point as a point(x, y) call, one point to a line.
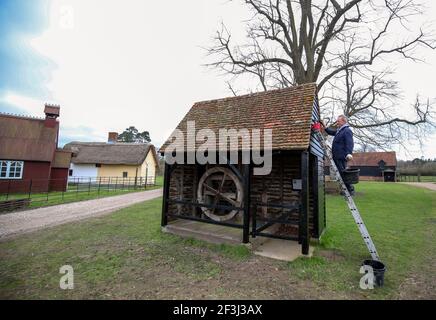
point(220, 186)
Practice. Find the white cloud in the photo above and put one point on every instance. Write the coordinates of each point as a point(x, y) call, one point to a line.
point(136, 63)
point(139, 62)
point(30, 105)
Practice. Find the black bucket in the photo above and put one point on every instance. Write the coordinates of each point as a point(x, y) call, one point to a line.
point(378, 269)
point(350, 176)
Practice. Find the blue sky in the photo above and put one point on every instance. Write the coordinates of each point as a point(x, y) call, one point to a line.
point(111, 64)
point(23, 69)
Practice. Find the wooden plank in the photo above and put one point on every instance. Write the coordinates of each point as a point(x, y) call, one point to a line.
point(304, 214)
point(166, 193)
point(247, 192)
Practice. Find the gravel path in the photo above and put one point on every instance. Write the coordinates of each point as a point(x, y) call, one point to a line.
point(16, 223)
point(427, 185)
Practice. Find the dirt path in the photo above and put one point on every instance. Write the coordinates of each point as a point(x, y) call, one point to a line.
point(16, 223)
point(426, 185)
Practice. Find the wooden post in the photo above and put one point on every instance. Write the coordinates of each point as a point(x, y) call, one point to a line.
point(253, 222)
point(304, 214)
point(63, 189)
point(30, 188)
point(246, 221)
point(315, 193)
point(166, 193)
point(9, 189)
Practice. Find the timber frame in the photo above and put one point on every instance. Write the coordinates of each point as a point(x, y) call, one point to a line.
point(251, 222)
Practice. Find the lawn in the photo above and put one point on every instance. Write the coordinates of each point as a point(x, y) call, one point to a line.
point(125, 255)
point(78, 194)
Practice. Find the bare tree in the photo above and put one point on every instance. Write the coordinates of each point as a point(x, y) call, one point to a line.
point(344, 46)
point(372, 101)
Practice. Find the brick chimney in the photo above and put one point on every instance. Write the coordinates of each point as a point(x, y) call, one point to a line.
point(112, 137)
point(51, 114)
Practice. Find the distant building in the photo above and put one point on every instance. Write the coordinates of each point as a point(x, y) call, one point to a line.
point(29, 156)
point(113, 159)
point(374, 166)
point(378, 166)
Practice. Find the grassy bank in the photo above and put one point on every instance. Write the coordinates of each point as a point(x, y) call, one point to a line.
point(125, 255)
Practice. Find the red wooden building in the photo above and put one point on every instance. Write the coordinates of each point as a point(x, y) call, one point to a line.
point(30, 160)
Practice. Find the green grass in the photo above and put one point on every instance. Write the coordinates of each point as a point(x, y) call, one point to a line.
point(73, 195)
point(401, 221)
point(103, 249)
point(125, 255)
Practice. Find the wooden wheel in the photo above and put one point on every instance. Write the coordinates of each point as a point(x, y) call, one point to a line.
point(220, 186)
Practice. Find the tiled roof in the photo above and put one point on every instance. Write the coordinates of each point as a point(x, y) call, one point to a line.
point(286, 111)
point(27, 138)
point(370, 159)
point(110, 153)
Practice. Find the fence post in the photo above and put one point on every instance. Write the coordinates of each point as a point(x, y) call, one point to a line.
point(89, 186)
point(64, 188)
point(30, 188)
point(99, 184)
point(146, 177)
point(9, 189)
point(116, 183)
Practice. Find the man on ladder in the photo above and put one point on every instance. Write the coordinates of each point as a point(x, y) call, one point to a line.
point(342, 146)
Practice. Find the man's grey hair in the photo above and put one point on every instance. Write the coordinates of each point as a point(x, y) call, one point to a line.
point(343, 117)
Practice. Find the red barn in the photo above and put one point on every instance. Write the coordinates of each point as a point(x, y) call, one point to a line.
point(29, 156)
point(376, 166)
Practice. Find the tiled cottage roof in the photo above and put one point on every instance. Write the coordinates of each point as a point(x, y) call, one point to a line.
point(286, 111)
point(109, 153)
point(27, 138)
point(372, 159)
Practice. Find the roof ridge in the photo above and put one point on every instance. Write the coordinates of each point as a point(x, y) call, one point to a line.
point(253, 94)
point(21, 116)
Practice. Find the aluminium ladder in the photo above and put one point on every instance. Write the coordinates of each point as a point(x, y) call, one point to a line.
point(351, 205)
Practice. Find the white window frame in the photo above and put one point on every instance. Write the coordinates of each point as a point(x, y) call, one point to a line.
point(8, 164)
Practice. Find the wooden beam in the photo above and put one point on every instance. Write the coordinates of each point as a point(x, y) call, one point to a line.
point(246, 221)
point(166, 193)
point(304, 214)
point(315, 194)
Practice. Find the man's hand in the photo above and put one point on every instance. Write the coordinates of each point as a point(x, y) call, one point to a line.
point(349, 157)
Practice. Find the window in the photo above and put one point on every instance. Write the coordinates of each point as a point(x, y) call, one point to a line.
point(70, 172)
point(11, 169)
point(125, 174)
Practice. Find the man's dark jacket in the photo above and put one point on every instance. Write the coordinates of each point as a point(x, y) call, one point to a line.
point(342, 143)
